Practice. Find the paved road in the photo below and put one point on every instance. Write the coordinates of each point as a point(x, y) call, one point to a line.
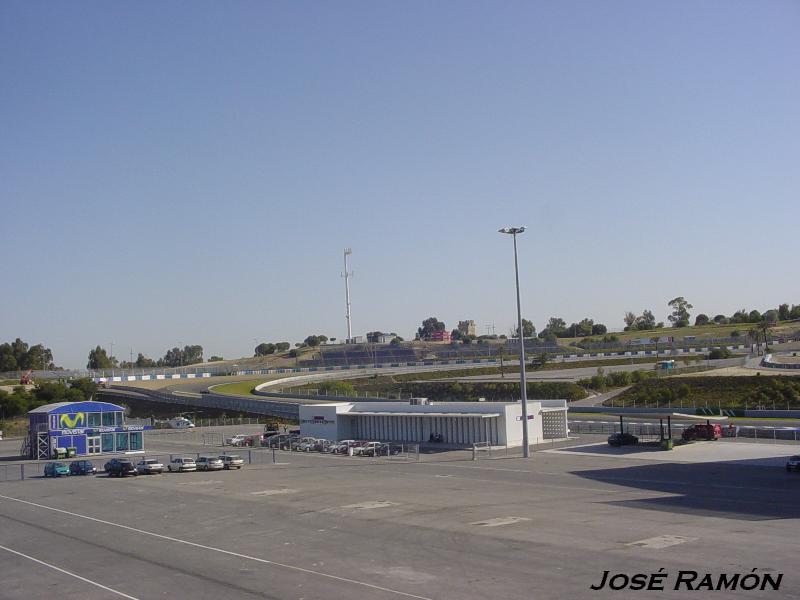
point(335, 528)
point(583, 372)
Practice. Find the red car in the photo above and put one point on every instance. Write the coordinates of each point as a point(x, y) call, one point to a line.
point(705, 431)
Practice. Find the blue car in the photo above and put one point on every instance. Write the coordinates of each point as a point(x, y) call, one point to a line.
point(82, 467)
point(56, 469)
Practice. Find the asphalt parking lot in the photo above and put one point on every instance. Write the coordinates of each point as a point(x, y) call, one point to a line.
point(314, 526)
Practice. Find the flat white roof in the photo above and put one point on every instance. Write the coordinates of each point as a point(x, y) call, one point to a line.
point(417, 414)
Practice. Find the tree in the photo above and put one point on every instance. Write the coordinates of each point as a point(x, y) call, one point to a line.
point(455, 335)
point(396, 341)
point(312, 340)
point(429, 326)
point(7, 360)
point(282, 346)
point(645, 321)
point(630, 319)
point(771, 316)
point(795, 312)
point(99, 359)
point(740, 316)
point(599, 329)
point(721, 320)
point(556, 326)
point(172, 358)
point(783, 312)
point(680, 312)
point(142, 362)
point(192, 354)
point(264, 349)
point(701, 320)
point(215, 358)
point(754, 316)
point(528, 330)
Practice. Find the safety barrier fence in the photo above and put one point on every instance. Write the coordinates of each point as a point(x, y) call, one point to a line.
point(250, 456)
point(735, 432)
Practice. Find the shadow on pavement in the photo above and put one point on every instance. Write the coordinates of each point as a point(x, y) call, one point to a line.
point(740, 489)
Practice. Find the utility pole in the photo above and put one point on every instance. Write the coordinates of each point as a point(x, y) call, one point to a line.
point(347, 275)
point(514, 231)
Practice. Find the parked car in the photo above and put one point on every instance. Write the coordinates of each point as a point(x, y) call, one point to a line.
point(56, 469)
point(209, 463)
point(343, 446)
point(793, 464)
point(304, 444)
point(622, 439)
point(702, 431)
point(231, 461)
point(236, 440)
point(288, 442)
point(120, 467)
point(274, 441)
point(322, 445)
point(149, 466)
point(82, 467)
point(181, 464)
point(369, 449)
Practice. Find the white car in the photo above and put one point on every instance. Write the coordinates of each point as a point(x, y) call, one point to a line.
point(181, 464)
point(231, 461)
point(149, 466)
point(237, 440)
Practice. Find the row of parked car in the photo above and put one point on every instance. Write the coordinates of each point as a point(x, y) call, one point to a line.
point(120, 467)
point(296, 443)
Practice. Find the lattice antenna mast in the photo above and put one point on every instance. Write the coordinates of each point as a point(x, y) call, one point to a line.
point(347, 275)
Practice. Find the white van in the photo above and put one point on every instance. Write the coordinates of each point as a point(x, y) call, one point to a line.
point(180, 423)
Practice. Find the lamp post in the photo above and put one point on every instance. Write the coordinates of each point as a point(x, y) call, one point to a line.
point(523, 391)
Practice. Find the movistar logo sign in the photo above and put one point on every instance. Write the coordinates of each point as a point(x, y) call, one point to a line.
point(70, 421)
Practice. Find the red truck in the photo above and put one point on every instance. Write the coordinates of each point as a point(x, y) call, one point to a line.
point(702, 431)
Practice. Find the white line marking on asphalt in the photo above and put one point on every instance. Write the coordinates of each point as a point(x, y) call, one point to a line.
point(499, 521)
point(60, 570)
point(274, 492)
point(661, 541)
point(220, 550)
point(370, 505)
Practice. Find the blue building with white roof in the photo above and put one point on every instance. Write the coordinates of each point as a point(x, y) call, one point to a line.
point(89, 427)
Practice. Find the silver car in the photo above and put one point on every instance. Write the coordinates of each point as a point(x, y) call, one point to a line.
point(149, 466)
point(209, 463)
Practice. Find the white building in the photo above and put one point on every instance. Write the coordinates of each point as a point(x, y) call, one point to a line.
point(458, 423)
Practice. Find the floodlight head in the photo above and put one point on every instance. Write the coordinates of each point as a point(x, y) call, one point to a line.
point(347, 251)
point(512, 230)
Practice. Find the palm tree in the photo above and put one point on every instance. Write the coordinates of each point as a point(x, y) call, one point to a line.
point(753, 333)
point(765, 328)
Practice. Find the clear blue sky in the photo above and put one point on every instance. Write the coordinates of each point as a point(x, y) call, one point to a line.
point(189, 172)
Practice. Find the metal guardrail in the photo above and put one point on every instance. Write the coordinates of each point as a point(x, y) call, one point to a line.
point(289, 411)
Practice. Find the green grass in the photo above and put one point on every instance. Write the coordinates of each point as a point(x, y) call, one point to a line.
point(705, 331)
point(723, 392)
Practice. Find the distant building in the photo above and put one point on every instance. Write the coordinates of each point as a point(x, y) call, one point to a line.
point(378, 337)
point(467, 327)
point(439, 336)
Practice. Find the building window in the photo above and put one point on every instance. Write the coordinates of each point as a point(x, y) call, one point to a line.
point(136, 440)
point(108, 419)
point(118, 419)
point(122, 441)
point(93, 420)
point(108, 442)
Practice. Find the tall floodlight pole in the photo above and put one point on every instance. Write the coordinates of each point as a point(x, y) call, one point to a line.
point(523, 391)
point(347, 275)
